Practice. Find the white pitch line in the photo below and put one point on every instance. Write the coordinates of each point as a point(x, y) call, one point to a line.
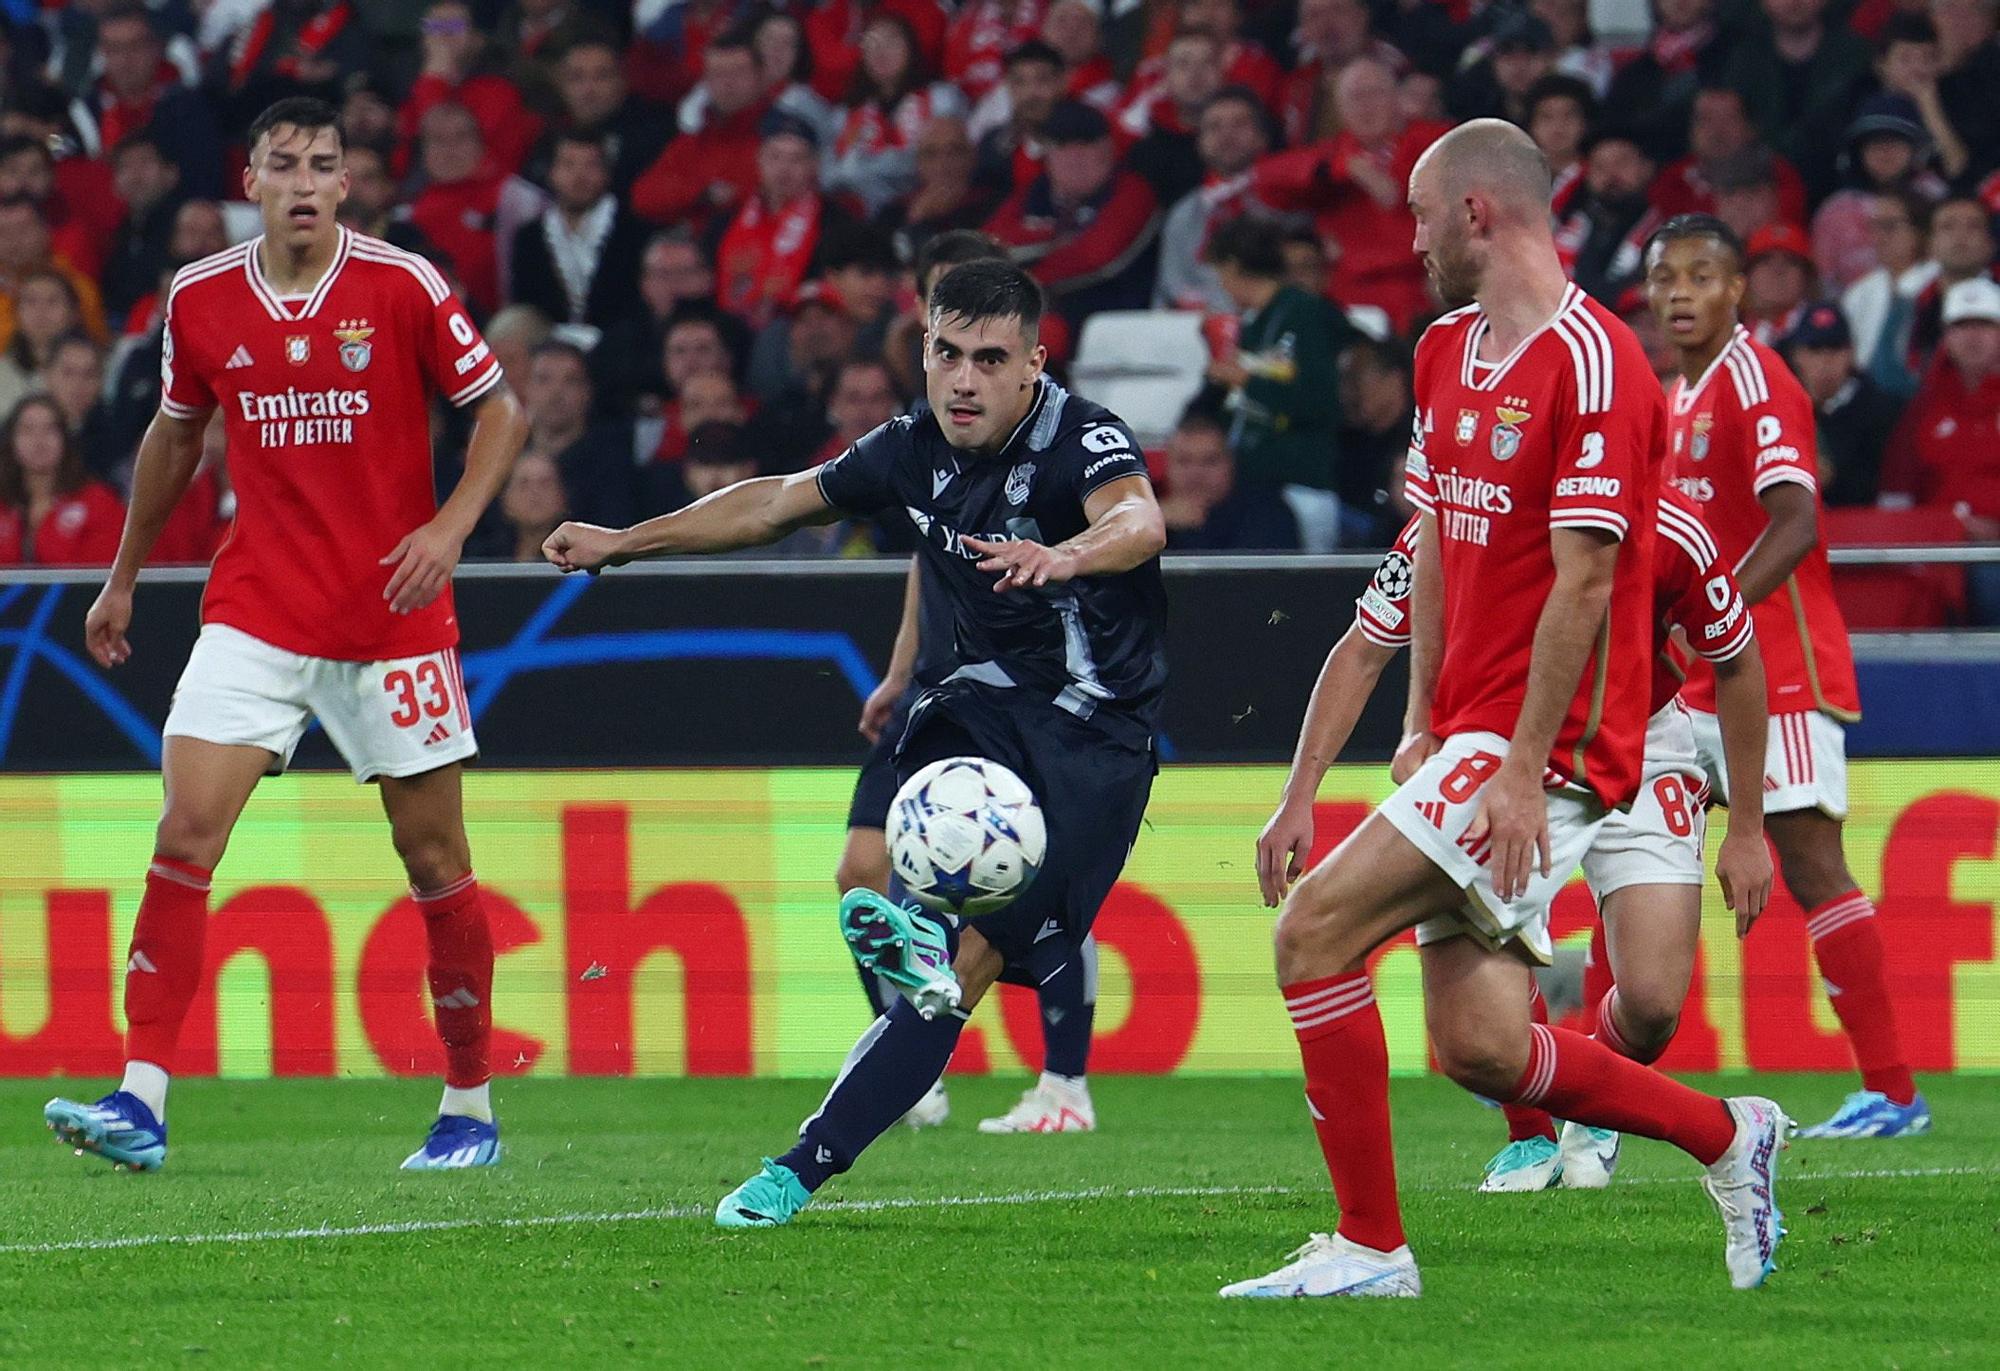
point(672, 1212)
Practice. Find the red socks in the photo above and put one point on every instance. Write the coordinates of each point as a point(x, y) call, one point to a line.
point(461, 978)
point(164, 966)
point(1524, 1121)
point(1347, 1089)
point(1578, 1078)
point(1848, 948)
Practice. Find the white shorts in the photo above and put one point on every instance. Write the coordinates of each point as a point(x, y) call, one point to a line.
point(1805, 762)
point(396, 718)
point(1434, 808)
point(1658, 841)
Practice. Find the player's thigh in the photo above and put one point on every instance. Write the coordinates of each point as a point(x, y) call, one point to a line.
point(1650, 935)
point(426, 815)
point(241, 692)
point(1476, 1005)
point(206, 784)
point(977, 964)
point(398, 718)
point(1812, 856)
point(1370, 888)
point(864, 861)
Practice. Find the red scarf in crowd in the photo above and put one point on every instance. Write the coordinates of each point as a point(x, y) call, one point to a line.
point(319, 31)
point(765, 253)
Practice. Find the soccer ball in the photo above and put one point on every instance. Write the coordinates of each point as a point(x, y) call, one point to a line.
point(965, 836)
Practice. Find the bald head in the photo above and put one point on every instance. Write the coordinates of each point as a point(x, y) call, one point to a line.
point(1494, 160)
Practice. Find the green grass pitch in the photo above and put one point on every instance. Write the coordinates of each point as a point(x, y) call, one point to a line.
point(949, 1249)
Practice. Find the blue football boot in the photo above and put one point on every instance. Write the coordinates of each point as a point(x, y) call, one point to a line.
point(1871, 1114)
point(456, 1141)
point(119, 1128)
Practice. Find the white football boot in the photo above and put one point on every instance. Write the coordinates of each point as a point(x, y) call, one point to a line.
point(1054, 1104)
point(1744, 1185)
point(1589, 1156)
point(933, 1109)
point(1332, 1265)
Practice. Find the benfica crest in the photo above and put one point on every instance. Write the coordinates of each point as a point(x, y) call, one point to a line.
point(355, 349)
point(1017, 483)
point(298, 348)
point(1507, 433)
point(1698, 447)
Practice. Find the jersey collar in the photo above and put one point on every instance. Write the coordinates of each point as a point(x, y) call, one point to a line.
point(292, 311)
point(1478, 375)
point(1685, 397)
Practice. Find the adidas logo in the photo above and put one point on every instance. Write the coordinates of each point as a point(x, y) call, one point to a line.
point(438, 735)
point(1432, 810)
point(141, 962)
point(238, 358)
point(461, 998)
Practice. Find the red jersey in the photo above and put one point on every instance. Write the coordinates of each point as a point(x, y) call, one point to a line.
point(80, 529)
point(326, 401)
point(1569, 431)
point(1744, 427)
point(1692, 589)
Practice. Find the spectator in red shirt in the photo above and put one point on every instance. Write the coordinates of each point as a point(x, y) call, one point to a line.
point(1947, 451)
point(833, 32)
point(1778, 280)
point(51, 512)
point(709, 172)
point(1011, 155)
point(770, 246)
point(141, 90)
point(1244, 63)
point(1356, 183)
point(1329, 35)
point(890, 101)
point(1164, 122)
point(199, 522)
point(1719, 131)
point(1085, 228)
point(471, 208)
point(76, 196)
point(980, 37)
point(456, 69)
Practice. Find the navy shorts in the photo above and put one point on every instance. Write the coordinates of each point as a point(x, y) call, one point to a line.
point(1092, 789)
point(875, 788)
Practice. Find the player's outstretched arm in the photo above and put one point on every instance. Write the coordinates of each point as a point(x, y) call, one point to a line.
point(1791, 534)
point(426, 557)
point(1743, 865)
point(1426, 647)
point(748, 514)
point(881, 702)
point(168, 456)
point(1513, 809)
point(1126, 530)
point(1345, 682)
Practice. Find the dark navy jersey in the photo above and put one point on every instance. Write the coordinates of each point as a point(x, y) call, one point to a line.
point(1094, 646)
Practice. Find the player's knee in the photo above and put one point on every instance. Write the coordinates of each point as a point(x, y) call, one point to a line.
point(1647, 1023)
point(1813, 877)
point(1481, 1065)
point(1306, 942)
point(186, 834)
point(432, 859)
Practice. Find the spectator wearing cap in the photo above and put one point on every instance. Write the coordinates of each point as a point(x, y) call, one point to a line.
point(471, 208)
point(1947, 452)
point(1163, 124)
point(1329, 34)
point(1494, 78)
point(947, 195)
point(578, 262)
point(1961, 244)
point(1206, 508)
point(1800, 77)
point(1561, 110)
point(140, 90)
point(149, 185)
point(772, 242)
point(1887, 151)
point(1725, 154)
point(1010, 156)
point(1778, 281)
point(52, 512)
point(1855, 417)
point(710, 171)
point(459, 69)
point(1655, 90)
point(1969, 74)
point(76, 195)
point(1232, 133)
point(24, 250)
point(1355, 184)
point(595, 99)
point(893, 96)
point(1085, 228)
point(1881, 307)
point(1283, 413)
point(1603, 238)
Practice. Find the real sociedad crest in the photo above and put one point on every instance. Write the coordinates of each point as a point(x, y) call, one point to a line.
point(1017, 483)
point(355, 350)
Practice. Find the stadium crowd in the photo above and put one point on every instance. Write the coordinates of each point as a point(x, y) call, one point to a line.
point(690, 227)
